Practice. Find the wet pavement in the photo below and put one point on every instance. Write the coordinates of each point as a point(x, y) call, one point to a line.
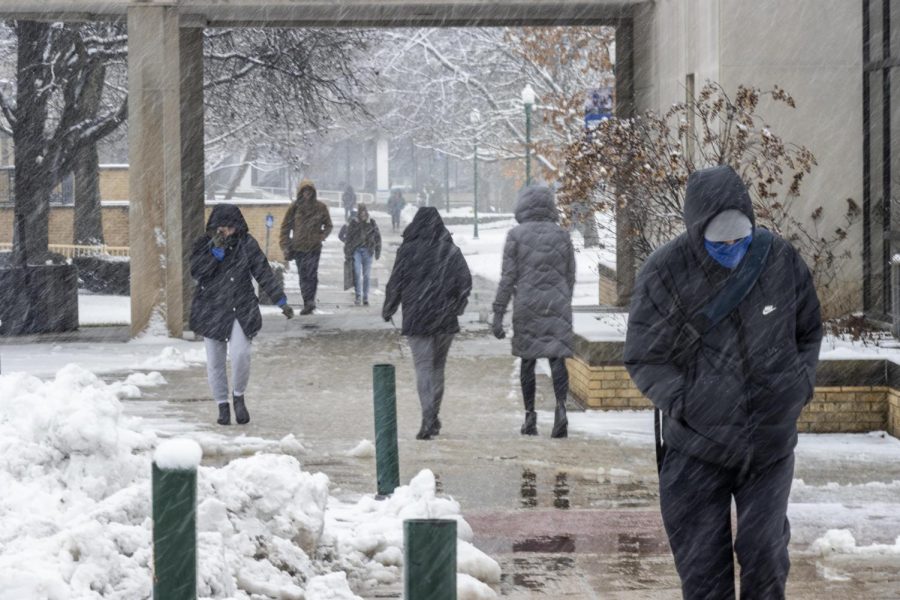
point(573, 518)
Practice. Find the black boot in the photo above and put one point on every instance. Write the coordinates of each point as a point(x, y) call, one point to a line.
point(308, 308)
point(436, 427)
point(240, 411)
point(224, 414)
point(425, 431)
point(560, 422)
point(529, 427)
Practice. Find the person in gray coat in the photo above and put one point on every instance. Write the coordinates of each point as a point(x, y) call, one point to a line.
point(539, 270)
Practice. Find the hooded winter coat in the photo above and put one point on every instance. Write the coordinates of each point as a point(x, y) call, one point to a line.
point(539, 270)
point(733, 399)
point(430, 278)
point(310, 222)
point(224, 290)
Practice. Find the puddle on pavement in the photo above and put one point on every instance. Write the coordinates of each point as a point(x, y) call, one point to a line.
point(528, 491)
point(561, 491)
point(546, 544)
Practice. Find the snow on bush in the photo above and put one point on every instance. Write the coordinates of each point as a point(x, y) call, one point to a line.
point(75, 510)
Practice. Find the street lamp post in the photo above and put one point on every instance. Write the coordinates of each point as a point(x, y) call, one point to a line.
point(528, 101)
point(475, 118)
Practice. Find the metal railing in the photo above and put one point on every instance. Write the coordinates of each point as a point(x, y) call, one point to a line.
point(74, 250)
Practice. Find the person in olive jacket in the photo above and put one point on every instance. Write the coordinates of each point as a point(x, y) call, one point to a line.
point(730, 399)
point(305, 226)
point(539, 270)
point(432, 281)
point(225, 308)
point(362, 243)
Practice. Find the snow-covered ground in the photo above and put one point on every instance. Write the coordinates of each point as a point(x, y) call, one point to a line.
point(75, 509)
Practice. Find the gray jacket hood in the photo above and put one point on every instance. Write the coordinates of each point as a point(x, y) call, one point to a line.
point(709, 192)
point(536, 203)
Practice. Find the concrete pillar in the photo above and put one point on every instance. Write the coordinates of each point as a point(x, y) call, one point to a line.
point(382, 165)
point(154, 156)
point(192, 158)
point(626, 264)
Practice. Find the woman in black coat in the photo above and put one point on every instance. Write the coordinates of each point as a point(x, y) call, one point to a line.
point(432, 281)
point(225, 308)
point(539, 274)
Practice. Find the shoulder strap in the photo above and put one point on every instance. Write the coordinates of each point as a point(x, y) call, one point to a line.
point(737, 286)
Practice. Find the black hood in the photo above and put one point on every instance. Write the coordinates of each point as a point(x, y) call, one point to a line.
point(426, 225)
point(536, 203)
point(709, 192)
point(227, 215)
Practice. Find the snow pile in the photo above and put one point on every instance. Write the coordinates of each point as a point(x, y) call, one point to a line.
point(75, 509)
point(172, 359)
point(152, 379)
point(841, 541)
point(73, 513)
point(364, 449)
point(368, 537)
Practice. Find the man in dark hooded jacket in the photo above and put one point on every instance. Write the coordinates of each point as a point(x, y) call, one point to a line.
point(539, 270)
point(432, 281)
point(729, 401)
point(225, 308)
point(306, 225)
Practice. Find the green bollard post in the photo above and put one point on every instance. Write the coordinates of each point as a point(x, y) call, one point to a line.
point(429, 560)
point(174, 482)
point(386, 454)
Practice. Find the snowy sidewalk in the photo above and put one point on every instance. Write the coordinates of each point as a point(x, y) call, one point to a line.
point(575, 518)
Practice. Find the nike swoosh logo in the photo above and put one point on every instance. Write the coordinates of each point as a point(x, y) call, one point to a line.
point(768, 309)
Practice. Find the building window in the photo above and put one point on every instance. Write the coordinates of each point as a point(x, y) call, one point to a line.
point(881, 151)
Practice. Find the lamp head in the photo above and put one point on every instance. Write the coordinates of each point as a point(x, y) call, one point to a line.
point(528, 95)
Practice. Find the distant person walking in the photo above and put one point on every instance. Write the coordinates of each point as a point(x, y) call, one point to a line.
point(362, 243)
point(348, 201)
point(723, 337)
point(432, 281)
point(306, 225)
point(395, 207)
point(539, 270)
point(225, 308)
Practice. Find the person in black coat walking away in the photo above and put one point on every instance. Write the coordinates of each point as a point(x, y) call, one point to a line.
point(395, 206)
point(432, 281)
point(362, 243)
point(729, 394)
point(539, 270)
point(225, 308)
point(348, 201)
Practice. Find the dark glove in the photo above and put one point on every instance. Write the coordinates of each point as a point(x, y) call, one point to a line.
point(497, 327)
point(218, 239)
point(287, 311)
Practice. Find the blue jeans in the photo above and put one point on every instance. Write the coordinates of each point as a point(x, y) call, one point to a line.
point(362, 267)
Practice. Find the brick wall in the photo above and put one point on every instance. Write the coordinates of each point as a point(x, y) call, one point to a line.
point(114, 183)
point(604, 387)
point(845, 410)
point(115, 224)
point(832, 409)
point(893, 419)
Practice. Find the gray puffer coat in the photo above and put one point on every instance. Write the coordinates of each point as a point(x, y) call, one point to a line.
point(539, 270)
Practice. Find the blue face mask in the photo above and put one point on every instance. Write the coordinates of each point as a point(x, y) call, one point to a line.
point(728, 255)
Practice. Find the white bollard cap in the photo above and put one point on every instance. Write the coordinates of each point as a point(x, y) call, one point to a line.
point(178, 455)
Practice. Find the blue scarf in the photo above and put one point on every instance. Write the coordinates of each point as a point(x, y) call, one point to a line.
point(728, 255)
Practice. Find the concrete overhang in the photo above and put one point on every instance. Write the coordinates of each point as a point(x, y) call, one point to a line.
point(343, 13)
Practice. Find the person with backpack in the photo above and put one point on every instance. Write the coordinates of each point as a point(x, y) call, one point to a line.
point(225, 309)
point(723, 337)
point(305, 226)
point(362, 243)
point(432, 281)
point(539, 271)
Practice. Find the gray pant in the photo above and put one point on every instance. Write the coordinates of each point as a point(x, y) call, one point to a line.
point(216, 371)
point(429, 357)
